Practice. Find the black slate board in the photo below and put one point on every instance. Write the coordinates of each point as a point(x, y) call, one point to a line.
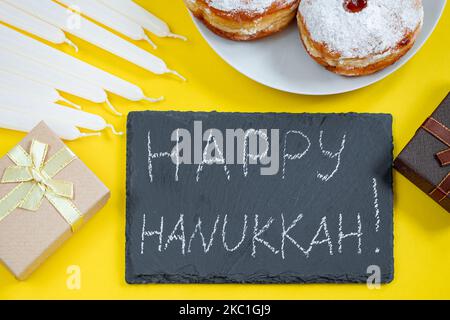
point(332, 190)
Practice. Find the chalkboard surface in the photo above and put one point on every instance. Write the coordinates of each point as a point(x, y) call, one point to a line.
point(259, 198)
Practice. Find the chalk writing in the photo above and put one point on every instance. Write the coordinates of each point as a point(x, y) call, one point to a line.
point(295, 156)
point(376, 205)
point(253, 146)
point(174, 236)
point(285, 235)
point(331, 155)
point(249, 155)
point(158, 155)
point(357, 234)
point(146, 233)
point(209, 158)
point(322, 235)
point(257, 234)
point(244, 232)
point(323, 226)
point(198, 230)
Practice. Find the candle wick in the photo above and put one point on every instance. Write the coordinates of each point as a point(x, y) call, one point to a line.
point(146, 38)
point(111, 107)
point(177, 74)
point(153, 99)
point(177, 36)
point(70, 103)
point(73, 45)
point(114, 131)
point(93, 134)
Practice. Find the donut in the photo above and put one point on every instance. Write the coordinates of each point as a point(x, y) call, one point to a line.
point(359, 37)
point(244, 20)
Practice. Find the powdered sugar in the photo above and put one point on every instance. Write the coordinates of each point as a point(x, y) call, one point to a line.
point(374, 30)
point(252, 6)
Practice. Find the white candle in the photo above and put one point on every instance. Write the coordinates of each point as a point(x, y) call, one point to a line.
point(138, 14)
point(25, 122)
point(33, 49)
point(55, 14)
point(19, 84)
point(110, 18)
point(53, 111)
point(15, 63)
point(24, 21)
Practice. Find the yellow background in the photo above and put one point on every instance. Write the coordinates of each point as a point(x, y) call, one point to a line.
point(422, 228)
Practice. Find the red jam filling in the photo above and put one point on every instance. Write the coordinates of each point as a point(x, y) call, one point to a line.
point(355, 6)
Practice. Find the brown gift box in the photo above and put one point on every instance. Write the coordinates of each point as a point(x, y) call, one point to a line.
point(425, 161)
point(28, 238)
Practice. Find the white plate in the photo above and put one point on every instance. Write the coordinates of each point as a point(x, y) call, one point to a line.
point(281, 62)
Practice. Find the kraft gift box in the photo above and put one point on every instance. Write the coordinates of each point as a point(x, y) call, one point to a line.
point(28, 237)
point(425, 161)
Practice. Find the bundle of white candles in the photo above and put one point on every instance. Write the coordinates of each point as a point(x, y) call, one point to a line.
point(18, 84)
point(97, 11)
point(32, 74)
point(141, 16)
point(57, 15)
point(19, 19)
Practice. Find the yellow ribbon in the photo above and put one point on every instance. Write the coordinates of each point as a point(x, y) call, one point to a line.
point(35, 178)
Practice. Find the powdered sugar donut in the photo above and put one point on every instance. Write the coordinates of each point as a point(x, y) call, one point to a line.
point(359, 37)
point(244, 19)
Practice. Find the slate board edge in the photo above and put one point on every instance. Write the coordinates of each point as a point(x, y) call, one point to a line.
point(132, 278)
point(205, 113)
point(128, 272)
point(194, 279)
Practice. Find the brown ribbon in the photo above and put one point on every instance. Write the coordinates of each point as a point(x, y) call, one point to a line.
point(441, 132)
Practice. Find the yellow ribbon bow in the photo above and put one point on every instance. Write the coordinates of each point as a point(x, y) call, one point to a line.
point(36, 182)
